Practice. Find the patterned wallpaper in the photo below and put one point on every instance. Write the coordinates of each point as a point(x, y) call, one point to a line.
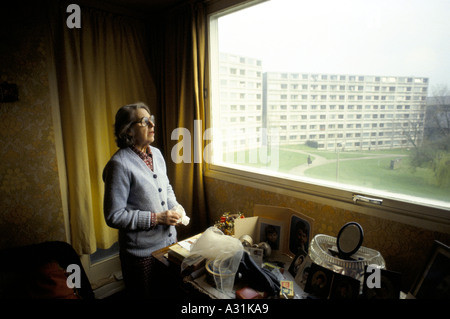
point(30, 200)
point(404, 247)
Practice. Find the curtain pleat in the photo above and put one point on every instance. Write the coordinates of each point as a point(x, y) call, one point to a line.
point(199, 64)
point(180, 48)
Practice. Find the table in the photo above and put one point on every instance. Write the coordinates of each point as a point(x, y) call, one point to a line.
point(195, 285)
point(169, 280)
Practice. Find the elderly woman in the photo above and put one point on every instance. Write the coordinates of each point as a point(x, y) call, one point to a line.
point(139, 200)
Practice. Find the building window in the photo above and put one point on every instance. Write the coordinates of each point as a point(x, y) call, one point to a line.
point(358, 121)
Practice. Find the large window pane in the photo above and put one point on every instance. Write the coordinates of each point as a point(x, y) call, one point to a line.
point(350, 93)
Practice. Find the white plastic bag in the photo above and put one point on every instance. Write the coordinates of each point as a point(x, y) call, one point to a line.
point(223, 254)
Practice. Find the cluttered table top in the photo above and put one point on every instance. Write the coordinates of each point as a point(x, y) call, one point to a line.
point(274, 255)
point(200, 279)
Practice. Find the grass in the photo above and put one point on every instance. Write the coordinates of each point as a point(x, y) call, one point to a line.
point(360, 169)
point(287, 159)
point(376, 173)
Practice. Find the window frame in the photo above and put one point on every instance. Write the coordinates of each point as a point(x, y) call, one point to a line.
point(400, 209)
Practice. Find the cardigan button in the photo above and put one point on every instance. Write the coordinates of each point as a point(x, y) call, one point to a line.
point(155, 176)
point(163, 203)
point(160, 189)
point(170, 234)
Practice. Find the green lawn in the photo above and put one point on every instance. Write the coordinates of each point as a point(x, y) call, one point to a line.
point(287, 159)
point(376, 173)
point(356, 169)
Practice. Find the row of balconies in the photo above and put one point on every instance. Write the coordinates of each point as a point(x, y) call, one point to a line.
point(284, 98)
point(305, 88)
point(239, 143)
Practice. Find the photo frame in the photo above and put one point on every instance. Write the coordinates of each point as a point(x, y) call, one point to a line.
point(271, 231)
point(302, 272)
point(434, 279)
point(285, 216)
point(300, 230)
point(390, 285)
point(319, 281)
point(297, 263)
point(344, 287)
point(324, 283)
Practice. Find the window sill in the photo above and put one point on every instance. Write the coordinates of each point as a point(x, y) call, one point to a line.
point(425, 215)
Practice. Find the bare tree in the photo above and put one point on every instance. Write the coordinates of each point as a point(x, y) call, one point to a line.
point(438, 114)
point(434, 152)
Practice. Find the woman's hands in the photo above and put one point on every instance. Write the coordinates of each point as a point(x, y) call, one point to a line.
point(169, 217)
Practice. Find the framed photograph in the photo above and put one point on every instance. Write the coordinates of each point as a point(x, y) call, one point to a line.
point(302, 272)
point(434, 280)
point(319, 281)
point(300, 228)
point(272, 232)
point(344, 287)
point(289, 219)
point(297, 263)
point(389, 285)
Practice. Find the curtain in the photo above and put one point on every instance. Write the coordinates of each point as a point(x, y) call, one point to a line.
point(100, 67)
point(179, 40)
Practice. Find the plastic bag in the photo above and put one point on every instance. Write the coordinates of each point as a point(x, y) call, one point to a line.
point(223, 254)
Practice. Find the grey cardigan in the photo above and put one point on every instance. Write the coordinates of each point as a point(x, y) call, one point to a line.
point(132, 193)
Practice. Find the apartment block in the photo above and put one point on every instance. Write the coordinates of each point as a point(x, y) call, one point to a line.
point(330, 111)
point(241, 108)
point(349, 111)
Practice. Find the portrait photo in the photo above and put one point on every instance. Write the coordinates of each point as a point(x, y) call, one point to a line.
point(303, 271)
point(271, 232)
point(344, 287)
point(299, 234)
point(319, 281)
point(297, 263)
point(390, 285)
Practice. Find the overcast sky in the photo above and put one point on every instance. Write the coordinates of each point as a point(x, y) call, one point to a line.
point(366, 37)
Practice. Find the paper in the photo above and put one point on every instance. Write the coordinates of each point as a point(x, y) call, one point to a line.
point(246, 226)
point(187, 243)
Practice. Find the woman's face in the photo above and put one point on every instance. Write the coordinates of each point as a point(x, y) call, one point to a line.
point(143, 135)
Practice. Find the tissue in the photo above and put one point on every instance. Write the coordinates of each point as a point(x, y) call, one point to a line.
point(184, 218)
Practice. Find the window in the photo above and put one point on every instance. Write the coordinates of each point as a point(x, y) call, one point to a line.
point(358, 139)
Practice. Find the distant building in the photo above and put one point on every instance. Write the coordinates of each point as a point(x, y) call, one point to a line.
point(352, 112)
point(240, 101)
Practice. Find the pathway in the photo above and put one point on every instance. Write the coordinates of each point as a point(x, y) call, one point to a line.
point(320, 160)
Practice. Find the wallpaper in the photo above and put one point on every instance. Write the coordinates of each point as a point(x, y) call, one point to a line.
point(30, 200)
point(405, 248)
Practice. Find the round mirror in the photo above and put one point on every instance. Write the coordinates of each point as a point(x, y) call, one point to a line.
point(349, 239)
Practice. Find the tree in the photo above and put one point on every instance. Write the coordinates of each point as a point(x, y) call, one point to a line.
point(434, 152)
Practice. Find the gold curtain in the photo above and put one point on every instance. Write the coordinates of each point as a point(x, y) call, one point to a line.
point(99, 68)
point(181, 52)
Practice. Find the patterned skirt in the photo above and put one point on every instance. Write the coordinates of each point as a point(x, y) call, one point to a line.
point(137, 276)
